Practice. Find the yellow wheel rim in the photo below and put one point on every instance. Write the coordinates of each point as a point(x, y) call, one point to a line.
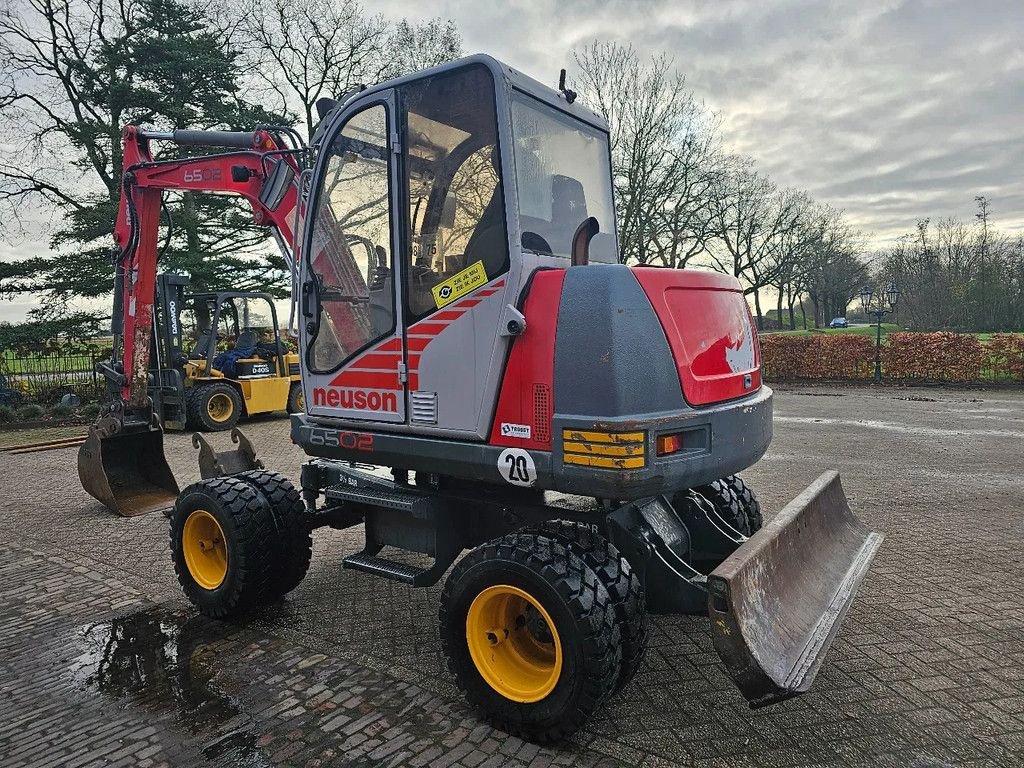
point(206, 551)
point(300, 401)
point(220, 407)
point(514, 643)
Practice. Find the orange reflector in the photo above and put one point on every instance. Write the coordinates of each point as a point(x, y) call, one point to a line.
point(669, 444)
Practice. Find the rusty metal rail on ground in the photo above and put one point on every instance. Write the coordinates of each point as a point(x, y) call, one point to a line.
point(46, 445)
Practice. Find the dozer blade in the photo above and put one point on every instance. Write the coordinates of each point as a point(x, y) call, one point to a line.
point(125, 467)
point(777, 602)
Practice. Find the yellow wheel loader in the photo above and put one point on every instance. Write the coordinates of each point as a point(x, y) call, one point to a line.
point(218, 357)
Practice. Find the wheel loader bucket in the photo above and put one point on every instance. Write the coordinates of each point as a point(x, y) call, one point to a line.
point(124, 467)
point(777, 602)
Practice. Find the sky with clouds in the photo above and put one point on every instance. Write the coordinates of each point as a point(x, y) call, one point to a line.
point(888, 109)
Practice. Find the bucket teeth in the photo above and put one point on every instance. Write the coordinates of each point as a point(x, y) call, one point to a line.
point(776, 604)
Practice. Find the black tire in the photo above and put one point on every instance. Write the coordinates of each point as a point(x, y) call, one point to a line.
point(726, 504)
point(294, 544)
point(296, 400)
point(616, 574)
point(247, 524)
point(748, 501)
point(583, 615)
point(202, 413)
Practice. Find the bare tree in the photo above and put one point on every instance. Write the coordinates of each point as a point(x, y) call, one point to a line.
point(957, 275)
point(835, 268)
point(304, 50)
point(665, 152)
point(751, 218)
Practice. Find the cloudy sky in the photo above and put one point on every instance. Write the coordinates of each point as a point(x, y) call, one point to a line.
point(889, 109)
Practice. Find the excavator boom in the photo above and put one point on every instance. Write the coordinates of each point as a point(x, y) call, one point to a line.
point(122, 462)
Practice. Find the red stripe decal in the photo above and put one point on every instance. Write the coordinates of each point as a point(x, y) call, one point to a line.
point(386, 361)
point(419, 343)
point(468, 303)
point(446, 316)
point(368, 380)
point(427, 329)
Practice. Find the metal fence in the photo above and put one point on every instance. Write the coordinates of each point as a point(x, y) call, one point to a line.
point(45, 376)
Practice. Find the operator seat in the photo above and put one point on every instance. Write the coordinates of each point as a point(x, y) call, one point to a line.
point(568, 201)
point(488, 242)
point(246, 340)
point(202, 347)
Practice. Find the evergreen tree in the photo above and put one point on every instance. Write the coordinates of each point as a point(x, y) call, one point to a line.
point(158, 63)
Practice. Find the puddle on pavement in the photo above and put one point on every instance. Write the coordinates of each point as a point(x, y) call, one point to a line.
point(166, 660)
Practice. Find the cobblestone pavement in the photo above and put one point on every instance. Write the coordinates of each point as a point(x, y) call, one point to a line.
point(102, 661)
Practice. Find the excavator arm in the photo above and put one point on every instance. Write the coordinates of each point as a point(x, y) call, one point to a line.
point(122, 462)
point(260, 170)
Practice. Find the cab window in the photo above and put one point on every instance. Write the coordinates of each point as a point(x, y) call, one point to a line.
point(452, 171)
point(351, 249)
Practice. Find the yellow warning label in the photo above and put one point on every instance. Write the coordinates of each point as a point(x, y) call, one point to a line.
point(459, 284)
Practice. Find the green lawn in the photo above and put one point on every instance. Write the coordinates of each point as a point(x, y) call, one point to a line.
point(863, 330)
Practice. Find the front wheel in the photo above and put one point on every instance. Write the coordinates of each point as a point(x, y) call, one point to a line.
point(530, 634)
point(222, 543)
point(296, 400)
point(214, 407)
point(293, 545)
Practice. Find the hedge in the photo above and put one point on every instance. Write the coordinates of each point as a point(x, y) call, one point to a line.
point(906, 356)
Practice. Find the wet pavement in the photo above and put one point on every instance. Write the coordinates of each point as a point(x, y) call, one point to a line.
point(102, 661)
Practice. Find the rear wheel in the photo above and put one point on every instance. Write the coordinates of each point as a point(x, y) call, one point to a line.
point(627, 593)
point(726, 504)
point(214, 407)
point(222, 540)
point(293, 544)
point(748, 501)
point(530, 634)
point(296, 400)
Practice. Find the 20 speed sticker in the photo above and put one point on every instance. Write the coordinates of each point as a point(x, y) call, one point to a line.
point(459, 284)
point(516, 466)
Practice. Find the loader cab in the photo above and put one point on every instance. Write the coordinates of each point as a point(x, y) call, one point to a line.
point(433, 200)
point(217, 356)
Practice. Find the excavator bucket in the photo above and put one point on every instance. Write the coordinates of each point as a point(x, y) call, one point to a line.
point(777, 602)
point(123, 466)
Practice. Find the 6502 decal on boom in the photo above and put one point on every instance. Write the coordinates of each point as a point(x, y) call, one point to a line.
point(355, 399)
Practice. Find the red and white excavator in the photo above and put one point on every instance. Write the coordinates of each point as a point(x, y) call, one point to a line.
point(464, 323)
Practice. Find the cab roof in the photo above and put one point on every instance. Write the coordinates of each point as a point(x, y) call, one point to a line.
point(503, 74)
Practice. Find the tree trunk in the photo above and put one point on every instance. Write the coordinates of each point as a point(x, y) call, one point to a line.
point(757, 309)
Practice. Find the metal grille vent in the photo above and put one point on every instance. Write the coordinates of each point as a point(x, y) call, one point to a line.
point(542, 413)
point(424, 407)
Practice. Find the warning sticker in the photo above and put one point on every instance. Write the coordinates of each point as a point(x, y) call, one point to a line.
point(459, 284)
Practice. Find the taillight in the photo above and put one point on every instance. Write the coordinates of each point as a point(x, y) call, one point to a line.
point(669, 444)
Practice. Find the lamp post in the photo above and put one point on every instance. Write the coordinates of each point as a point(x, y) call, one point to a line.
point(886, 303)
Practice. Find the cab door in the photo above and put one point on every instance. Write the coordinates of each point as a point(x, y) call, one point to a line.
point(352, 320)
